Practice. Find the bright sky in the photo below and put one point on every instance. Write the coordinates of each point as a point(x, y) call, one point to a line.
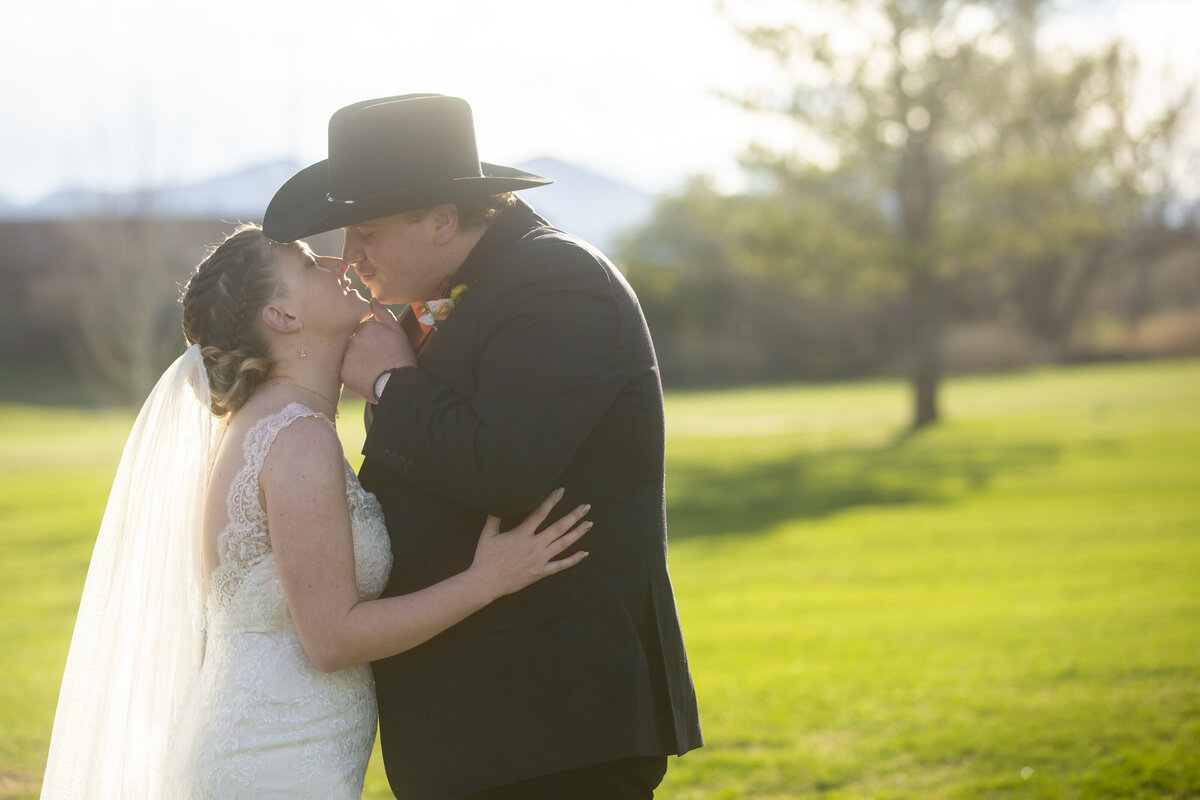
point(120, 93)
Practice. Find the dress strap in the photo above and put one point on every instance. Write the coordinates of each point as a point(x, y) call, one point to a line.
point(260, 438)
point(246, 532)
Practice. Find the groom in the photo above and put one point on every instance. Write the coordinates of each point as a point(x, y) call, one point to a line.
point(535, 370)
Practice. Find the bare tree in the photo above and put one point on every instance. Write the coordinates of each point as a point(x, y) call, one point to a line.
point(125, 277)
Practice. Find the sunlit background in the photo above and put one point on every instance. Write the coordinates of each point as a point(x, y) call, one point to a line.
point(930, 340)
point(130, 93)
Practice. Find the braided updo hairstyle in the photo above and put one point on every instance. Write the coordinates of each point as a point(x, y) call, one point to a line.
point(221, 307)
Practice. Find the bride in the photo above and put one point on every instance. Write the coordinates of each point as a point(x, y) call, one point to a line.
point(231, 606)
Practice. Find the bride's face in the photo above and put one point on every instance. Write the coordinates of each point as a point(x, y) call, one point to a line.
point(319, 292)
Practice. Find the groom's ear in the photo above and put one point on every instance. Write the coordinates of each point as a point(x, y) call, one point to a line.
point(444, 222)
point(277, 319)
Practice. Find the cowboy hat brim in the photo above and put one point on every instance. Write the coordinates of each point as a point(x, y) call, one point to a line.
point(303, 206)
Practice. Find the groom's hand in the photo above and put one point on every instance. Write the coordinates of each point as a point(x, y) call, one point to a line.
point(378, 345)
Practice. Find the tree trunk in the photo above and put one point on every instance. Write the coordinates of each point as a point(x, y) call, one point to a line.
point(926, 361)
point(917, 187)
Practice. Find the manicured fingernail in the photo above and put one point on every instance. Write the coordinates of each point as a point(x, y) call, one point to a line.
point(585, 508)
point(587, 526)
point(558, 493)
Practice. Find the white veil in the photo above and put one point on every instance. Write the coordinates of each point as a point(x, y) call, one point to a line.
point(139, 638)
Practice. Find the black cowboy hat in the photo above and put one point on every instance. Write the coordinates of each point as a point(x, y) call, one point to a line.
point(387, 156)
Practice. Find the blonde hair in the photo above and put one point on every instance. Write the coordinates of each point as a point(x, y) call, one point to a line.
point(221, 305)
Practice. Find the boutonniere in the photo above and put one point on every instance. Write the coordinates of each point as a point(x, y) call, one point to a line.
point(434, 311)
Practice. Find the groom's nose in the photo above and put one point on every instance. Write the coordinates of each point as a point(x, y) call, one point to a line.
point(351, 248)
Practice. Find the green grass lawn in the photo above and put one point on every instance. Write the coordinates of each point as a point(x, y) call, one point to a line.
point(1006, 606)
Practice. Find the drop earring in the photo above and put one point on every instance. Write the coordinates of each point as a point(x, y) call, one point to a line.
point(302, 353)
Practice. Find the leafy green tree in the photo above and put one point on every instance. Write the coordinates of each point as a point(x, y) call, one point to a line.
point(1075, 192)
point(936, 145)
point(723, 313)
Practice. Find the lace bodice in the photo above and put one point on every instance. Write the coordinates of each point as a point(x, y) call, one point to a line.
point(268, 723)
point(244, 588)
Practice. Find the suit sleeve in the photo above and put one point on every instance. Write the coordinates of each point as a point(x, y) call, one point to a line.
point(551, 363)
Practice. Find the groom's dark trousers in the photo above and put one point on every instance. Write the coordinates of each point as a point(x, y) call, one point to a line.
point(543, 376)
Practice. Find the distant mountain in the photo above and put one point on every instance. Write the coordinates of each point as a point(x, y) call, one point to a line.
point(241, 195)
point(587, 204)
point(582, 202)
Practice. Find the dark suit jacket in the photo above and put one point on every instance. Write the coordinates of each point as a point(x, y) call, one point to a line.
point(543, 376)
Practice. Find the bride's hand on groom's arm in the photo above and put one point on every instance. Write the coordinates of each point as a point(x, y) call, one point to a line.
point(303, 485)
point(378, 345)
point(508, 562)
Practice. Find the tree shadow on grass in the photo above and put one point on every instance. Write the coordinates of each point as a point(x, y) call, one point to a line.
point(751, 495)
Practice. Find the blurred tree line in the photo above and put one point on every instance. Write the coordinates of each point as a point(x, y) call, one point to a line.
point(91, 309)
point(950, 171)
point(960, 196)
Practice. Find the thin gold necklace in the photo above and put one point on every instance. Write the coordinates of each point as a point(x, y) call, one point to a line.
point(313, 392)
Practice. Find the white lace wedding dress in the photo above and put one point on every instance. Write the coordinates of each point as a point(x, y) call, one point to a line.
point(267, 722)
